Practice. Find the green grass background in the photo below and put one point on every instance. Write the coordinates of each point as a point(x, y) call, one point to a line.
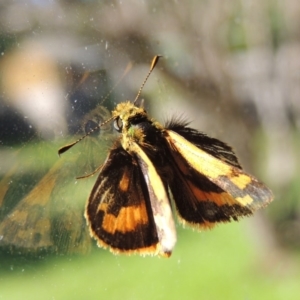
point(224, 263)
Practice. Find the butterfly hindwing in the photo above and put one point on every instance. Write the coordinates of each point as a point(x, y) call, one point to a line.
point(200, 202)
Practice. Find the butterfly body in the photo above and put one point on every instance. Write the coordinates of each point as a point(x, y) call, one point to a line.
point(152, 165)
point(153, 169)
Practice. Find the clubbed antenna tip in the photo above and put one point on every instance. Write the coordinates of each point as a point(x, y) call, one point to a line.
point(153, 64)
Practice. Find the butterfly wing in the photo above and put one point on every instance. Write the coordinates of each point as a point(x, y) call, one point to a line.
point(209, 186)
point(118, 210)
point(159, 199)
point(212, 146)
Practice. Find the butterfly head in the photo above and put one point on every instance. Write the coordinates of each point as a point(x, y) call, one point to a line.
point(128, 119)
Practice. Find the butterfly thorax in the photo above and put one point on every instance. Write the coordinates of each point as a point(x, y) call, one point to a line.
point(135, 126)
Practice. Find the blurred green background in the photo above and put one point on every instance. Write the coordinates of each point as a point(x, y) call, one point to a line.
point(231, 67)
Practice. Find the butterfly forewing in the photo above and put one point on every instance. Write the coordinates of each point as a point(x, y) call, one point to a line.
point(217, 191)
point(118, 210)
point(212, 146)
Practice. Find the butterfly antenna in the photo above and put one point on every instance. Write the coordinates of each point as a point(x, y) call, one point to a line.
point(153, 64)
point(129, 66)
point(67, 147)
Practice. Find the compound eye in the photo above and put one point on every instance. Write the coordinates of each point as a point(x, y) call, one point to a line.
point(118, 124)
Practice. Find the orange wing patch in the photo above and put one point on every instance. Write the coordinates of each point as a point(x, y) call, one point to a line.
point(127, 220)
